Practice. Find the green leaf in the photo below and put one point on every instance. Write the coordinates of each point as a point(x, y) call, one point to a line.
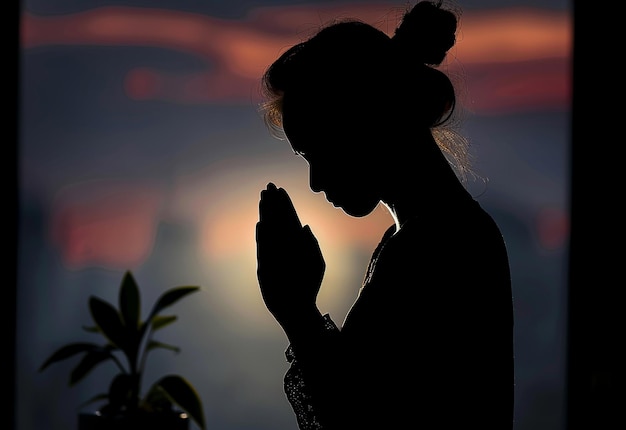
point(182, 393)
point(109, 321)
point(153, 344)
point(159, 321)
point(68, 351)
point(170, 297)
point(129, 301)
point(87, 363)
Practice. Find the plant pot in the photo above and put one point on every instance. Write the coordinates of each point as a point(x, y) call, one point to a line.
point(139, 421)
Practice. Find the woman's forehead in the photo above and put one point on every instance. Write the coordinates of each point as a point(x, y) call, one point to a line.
point(335, 108)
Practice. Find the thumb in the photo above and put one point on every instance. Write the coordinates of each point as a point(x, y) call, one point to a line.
point(309, 234)
point(307, 230)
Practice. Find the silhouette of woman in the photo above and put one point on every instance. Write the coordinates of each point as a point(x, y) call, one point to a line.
point(428, 341)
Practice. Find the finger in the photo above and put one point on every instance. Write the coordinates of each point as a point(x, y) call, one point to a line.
point(267, 202)
point(270, 205)
point(264, 238)
point(290, 213)
point(309, 234)
point(307, 231)
point(270, 241)
point(276, 208)
point(258, 237)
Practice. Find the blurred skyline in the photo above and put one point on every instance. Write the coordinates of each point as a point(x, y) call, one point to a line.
point(141, 147)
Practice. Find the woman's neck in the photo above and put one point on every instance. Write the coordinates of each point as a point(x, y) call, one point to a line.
point(408, 201)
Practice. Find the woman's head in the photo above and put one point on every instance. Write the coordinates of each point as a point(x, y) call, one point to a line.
point(353, 98)
point(349, 58)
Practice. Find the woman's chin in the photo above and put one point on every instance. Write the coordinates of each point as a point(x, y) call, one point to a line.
point(356, 212)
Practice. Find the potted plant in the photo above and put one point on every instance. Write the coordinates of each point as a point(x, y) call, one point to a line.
point(169, 403)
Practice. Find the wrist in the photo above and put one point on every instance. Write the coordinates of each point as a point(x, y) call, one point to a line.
point(302, 324)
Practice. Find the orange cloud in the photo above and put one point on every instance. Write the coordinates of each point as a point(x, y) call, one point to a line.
point(514, 35)
point(517, 86)
point(239, 51)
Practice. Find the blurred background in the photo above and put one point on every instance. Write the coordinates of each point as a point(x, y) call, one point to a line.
point(141, 147)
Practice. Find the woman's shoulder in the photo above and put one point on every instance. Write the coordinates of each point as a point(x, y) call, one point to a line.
point(445, 232)
point(466, 214)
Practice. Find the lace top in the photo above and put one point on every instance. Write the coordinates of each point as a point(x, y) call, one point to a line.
point(297, 391)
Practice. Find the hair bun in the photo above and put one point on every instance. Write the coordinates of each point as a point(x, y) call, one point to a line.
point(427, 32)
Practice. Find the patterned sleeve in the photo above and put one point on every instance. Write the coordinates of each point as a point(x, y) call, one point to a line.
point(296, 389)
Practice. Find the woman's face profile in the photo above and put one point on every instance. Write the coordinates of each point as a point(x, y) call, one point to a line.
point(338, 150)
